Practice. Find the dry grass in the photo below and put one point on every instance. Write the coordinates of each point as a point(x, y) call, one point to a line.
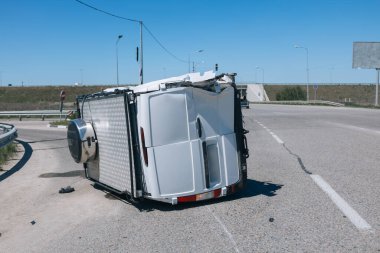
point(40, 98)
point(47, 97)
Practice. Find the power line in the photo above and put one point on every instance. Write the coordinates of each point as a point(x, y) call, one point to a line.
point(105, 12)
point(138, 21)
point(162, 46)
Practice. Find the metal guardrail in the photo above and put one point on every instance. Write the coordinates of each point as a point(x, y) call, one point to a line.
point(300, 102)
point(37, 113)
point(8, 134)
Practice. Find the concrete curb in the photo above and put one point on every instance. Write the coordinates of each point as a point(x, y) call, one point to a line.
point(50, 125)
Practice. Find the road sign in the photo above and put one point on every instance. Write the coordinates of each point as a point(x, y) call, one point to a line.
point(366, 55)
point(62, 95)
point(315, 86)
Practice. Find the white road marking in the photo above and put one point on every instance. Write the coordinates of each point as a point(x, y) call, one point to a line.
point(225, 229)
point(351, 127)
point(277, 139)
point(271, 133)
point(346, 209)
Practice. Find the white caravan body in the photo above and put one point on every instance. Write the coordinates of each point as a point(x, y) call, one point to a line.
point(175, 140)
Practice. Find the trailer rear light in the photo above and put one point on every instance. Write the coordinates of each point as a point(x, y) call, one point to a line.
point(144, 149)
point(202, 196)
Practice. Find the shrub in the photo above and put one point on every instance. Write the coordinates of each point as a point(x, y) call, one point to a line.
point(6, 153)
point(291, 94)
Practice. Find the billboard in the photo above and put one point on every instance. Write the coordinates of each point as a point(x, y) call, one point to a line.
point(366, 55)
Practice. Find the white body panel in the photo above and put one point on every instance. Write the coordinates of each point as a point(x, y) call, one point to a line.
point(176, 162)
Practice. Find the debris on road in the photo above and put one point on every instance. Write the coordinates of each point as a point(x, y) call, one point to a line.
point(33, 222)
point(67, 189)
point(271, 219)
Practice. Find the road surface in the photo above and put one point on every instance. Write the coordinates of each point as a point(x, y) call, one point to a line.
point(313, 186)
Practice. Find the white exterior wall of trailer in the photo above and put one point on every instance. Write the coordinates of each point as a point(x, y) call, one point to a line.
point(190, 141)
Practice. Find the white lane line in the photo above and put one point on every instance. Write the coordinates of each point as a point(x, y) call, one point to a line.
point(277, 139)
point(225, 230)
point(346, 209)
point(271, 133)
point(351, 127)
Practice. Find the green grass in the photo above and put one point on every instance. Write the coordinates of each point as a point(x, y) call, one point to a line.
point(361, 95)
point(6, 153)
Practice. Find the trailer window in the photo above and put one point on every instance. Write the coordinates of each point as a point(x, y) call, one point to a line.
point(168, 118)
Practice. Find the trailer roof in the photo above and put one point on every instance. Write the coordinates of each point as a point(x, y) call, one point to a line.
point(190, 77)
point(197, 79)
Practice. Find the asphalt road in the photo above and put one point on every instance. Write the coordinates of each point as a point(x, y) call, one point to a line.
point(295, 152)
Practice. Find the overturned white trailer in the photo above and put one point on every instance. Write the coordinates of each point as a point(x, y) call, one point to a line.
point(175, 140)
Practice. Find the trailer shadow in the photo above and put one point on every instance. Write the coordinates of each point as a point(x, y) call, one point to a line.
point(25, 158)
point(73, 173)
point(253, 188)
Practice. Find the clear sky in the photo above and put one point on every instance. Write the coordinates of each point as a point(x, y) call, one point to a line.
point(61, 42)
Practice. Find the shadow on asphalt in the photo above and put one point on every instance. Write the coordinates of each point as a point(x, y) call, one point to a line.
point(253, 188)
point(74, 173)
point(37, 141)
point(51, 148)
point(25, 158)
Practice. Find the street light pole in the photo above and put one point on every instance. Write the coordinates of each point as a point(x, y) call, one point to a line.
point(377, 88)
point(188, 59)
point(117, 58)
point(141, 53)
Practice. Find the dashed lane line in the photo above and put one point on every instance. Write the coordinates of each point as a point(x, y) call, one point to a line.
point(224, 229)
point(344, 207)
point(271, 133)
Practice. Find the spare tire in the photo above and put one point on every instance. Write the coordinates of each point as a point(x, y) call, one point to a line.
point(82, 141)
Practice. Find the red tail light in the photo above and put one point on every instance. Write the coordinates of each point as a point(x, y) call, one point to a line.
point(202, 196)
point(144, 149)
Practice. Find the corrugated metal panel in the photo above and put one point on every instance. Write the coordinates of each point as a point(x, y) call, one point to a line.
point(109, 119)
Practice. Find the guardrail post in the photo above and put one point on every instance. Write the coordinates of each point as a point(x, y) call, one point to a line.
point(9, 134)
point(19, 117)
point(43, 117)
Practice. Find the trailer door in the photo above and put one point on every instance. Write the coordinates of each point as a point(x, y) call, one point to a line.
point(113, 118)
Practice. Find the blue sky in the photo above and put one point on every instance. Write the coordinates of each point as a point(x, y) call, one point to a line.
point(51, 42)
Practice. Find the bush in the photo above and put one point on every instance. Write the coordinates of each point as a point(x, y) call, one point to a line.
point(291, 94)
point(6, 153)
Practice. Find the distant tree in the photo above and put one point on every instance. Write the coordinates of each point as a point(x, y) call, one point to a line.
point(291, 94)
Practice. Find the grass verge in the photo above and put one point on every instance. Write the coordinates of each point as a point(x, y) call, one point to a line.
point(6, 153)
point(60, 123)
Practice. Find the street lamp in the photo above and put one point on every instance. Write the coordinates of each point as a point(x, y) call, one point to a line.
point(307, 69)
point(257, 67)
point(198, 51)
point(117, 58)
